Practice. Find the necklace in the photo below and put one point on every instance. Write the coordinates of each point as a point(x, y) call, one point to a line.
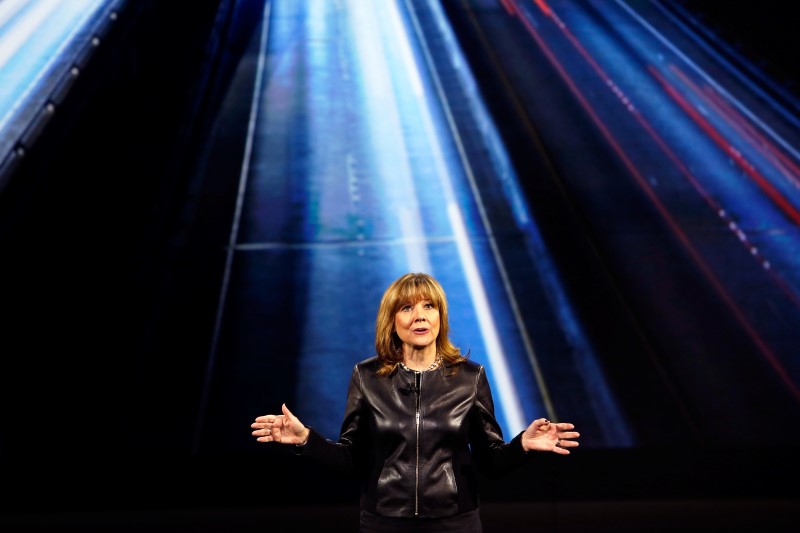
point(436, 361)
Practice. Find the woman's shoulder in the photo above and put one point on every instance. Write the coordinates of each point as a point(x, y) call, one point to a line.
point(370, 363)
point(473, 366)
point(466, 366)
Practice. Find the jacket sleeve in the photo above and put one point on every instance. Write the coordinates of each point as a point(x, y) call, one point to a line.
point(493, 456)
point(348, 454)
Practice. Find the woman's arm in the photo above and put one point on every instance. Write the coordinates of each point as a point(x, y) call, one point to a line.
point(348, 454)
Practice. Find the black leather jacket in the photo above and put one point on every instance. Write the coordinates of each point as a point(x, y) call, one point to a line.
point(417, 439)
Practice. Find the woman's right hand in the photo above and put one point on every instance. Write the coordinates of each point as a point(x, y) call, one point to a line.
point(285, 428)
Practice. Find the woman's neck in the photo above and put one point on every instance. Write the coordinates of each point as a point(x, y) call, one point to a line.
point(420, 359)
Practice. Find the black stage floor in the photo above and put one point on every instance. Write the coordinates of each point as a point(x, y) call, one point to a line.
point(694, 515)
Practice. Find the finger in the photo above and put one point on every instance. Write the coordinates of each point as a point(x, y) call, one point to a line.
point(261, 435)
point(287, 413)
point(539, 424)
point(259, 430)
point(265, 419)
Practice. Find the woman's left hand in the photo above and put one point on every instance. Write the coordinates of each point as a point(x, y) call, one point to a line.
point(545, 436)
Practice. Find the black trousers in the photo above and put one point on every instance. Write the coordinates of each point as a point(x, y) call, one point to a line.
point(469, 522)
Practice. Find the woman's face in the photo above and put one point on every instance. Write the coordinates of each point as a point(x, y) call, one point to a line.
point(417, 324)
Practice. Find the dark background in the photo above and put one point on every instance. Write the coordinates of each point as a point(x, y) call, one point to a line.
point(97, 411)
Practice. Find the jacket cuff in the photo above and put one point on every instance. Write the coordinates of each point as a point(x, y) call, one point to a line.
point(298, 449)
point(516, 444)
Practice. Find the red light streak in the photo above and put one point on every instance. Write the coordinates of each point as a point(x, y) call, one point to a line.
point(769, 189)
point(660, 207)
point(780, 160)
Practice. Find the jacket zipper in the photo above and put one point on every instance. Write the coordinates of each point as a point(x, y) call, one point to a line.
point(417, 383)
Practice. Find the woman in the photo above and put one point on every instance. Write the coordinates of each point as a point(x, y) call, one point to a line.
point(419, 422)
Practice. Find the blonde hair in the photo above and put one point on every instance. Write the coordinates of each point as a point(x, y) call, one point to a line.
point(411, 288)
